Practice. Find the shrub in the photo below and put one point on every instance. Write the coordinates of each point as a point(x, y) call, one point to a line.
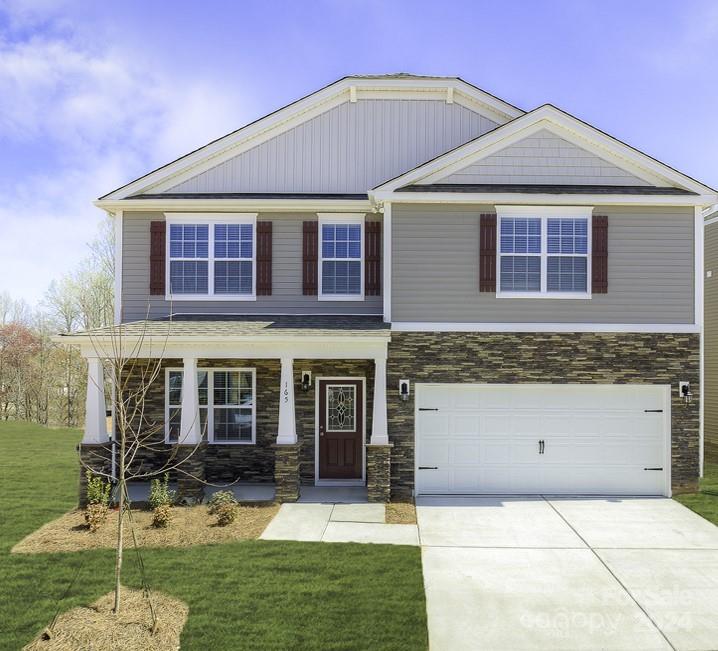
point(95, 516)
point(220, 498)
point(162, 516)
point(98, 490)
point(160, 493)
point(226, 513)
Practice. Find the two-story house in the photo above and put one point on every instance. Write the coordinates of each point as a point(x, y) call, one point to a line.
point(408, 283)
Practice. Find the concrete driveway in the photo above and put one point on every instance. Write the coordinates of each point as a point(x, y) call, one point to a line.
point(557, 573)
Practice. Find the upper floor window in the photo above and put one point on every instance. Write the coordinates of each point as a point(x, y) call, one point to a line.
point(544, 252)
point(211, 256)
point(341, 267)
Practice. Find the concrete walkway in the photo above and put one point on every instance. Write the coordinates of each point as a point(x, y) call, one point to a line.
point(568, 574)
point(359, 523)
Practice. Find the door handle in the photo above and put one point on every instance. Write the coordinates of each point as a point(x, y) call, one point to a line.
point(542, 446)
point(428, 467)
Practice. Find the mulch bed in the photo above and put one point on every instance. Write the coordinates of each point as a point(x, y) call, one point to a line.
point(97, 627)
point(190, 525)
point(400, 513)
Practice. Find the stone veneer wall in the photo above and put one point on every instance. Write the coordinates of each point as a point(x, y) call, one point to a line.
point(508, 358)
point(226, 463)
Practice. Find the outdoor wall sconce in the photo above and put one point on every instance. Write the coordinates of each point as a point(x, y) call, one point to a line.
point(684, 390)
point(306, 380)
point(404, 390)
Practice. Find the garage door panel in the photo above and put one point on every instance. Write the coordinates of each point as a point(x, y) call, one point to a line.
point(433, 423)
point(434, 481)
point(464, 480)
point(464, 425)
point(433, 453)
point(485, 439)
point(464, 453)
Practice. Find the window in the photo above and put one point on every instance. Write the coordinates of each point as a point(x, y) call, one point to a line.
point(341, 269)
point(211, 256)
point(226, 399)
point(544, 254)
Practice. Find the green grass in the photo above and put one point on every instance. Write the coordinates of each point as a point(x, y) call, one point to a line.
point(705, 501)
point(245, 595)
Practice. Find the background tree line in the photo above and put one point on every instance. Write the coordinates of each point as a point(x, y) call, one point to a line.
point(42, 381)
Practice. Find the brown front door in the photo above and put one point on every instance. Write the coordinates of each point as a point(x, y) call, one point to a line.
point(341, 427)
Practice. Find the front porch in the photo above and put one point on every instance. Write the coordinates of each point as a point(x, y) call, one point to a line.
point(282, 405)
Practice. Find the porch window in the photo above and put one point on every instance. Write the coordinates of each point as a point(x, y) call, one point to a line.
point(211, 257)
point(227, 408)
point(341, 269)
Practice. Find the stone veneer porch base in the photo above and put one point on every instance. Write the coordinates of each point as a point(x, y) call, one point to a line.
point(540, 357)
point(286, 473)
point(378, 472)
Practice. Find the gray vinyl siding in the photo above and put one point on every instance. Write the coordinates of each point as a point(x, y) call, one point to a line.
point(286, 298)
point(435, 267)
point(710, 321)
point(544, 158)
point(348, 149)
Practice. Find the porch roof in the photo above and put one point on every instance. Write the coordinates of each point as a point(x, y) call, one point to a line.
point(213, 327)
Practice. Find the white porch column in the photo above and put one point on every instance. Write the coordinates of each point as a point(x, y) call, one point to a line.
point(95, 419)
point(287, 430)
point(190, 430)
point(379, 434)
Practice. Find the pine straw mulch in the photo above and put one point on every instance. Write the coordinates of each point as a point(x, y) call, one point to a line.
point(191, 525)
point(97, 627)
point(400, 513)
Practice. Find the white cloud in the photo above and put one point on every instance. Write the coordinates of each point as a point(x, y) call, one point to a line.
point(99, 118)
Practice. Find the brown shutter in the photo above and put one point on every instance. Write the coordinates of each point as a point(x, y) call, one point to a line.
point(158, 246)
point(599, 257)
point(487, 253)
point(309, 258)
point(264, 258)
point(372, 258)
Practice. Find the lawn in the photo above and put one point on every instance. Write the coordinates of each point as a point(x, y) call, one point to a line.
point(705, 501)
point(243, 595)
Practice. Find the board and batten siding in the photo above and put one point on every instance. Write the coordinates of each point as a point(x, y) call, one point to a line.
point(544, 158)
point(435, 269)
point(286, 298)
point(348, 149)
point(710, 323)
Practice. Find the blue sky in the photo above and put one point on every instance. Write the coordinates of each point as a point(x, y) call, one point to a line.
point(94, 94)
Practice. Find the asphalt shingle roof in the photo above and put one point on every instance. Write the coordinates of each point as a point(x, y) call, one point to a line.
point(203, 326)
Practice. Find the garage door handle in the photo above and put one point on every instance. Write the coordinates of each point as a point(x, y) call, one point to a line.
point(653, 411)
point(653, 468)
point(428, 409)
point(428, 467)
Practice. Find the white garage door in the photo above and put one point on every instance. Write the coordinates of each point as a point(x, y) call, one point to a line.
point(560, 439)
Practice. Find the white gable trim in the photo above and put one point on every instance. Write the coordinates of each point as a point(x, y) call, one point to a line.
point(305, 109)
point(562, 124)
point(561, 132)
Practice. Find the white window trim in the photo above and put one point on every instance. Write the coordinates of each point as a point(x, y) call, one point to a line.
point(340, 218)
point(210, 403)
point(544, 213)
point(211, 219)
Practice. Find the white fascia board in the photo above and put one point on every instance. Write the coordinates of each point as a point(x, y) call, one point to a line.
point(323, 100)
point(421, 326)
point(238, 205)
point(544, 199)
point(562, 124)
